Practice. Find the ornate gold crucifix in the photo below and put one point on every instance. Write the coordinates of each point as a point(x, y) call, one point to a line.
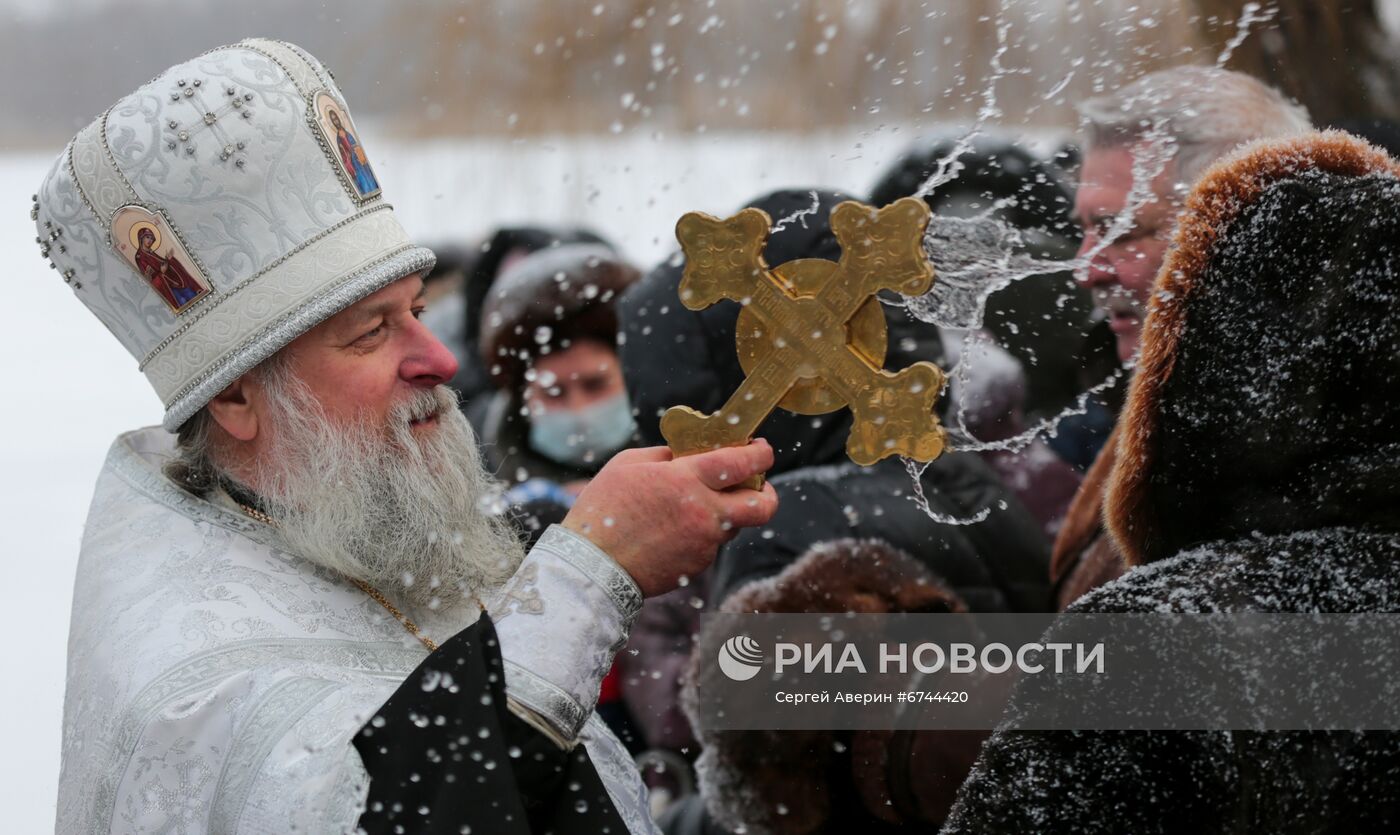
point(811, 335)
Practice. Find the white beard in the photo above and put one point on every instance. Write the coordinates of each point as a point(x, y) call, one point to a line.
point(398, 509)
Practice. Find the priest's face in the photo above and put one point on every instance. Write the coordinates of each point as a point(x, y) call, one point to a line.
point(372, 356)
point(366, 464)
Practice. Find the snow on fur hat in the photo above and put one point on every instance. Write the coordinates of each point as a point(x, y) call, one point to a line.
point(217, 213)
point(1264, 394)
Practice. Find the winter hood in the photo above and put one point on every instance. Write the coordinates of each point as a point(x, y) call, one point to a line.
point(1267, 395)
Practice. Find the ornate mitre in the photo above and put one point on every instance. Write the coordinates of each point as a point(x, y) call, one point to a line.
point(218, 212)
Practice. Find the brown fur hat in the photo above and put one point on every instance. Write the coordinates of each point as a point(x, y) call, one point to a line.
point(1226, 192)
point(547, 301)
point(869, 576)
point(792, 782)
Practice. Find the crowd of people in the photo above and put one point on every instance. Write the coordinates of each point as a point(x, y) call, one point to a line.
point(611, 348)
point(1248, 286)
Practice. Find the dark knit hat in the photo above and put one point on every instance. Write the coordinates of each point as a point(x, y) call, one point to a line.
point(1035, 192)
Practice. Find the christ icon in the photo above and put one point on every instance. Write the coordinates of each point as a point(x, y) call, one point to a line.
point(352, 156)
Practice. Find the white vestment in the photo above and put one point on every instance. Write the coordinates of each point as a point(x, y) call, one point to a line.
point(215, 681)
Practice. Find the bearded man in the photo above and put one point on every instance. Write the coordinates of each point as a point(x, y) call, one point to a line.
point(297, 615)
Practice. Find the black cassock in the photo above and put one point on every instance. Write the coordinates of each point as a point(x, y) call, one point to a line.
point(445, 755)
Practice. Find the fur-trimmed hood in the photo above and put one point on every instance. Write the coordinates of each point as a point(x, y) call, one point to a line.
point(804, 782)
point(1267, 395)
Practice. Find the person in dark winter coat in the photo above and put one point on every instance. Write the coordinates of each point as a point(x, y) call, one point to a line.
point(675, 356)
point(999, 178)
point(997, 565)
point(822, 781)
point(1027, 363)
point(1259, 471)
point(819, 780)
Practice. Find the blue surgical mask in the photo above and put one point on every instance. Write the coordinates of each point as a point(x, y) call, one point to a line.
point(588, 435)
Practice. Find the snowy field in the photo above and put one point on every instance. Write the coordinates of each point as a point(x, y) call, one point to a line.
point(71, 388)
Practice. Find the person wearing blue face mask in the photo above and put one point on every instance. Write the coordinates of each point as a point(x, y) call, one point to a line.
point(577, 404)
point(548, 340)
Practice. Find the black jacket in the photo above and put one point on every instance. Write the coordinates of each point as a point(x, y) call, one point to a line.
point(996, 565)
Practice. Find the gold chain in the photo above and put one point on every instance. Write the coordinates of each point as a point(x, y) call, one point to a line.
point(362, 585)
point(400, 616)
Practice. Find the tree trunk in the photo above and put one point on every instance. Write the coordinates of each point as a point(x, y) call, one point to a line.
point(1332, 56)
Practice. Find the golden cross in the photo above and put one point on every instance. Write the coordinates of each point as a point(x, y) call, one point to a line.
point(811, 335)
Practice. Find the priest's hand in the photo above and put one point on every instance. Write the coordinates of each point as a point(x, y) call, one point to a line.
point(663, 518)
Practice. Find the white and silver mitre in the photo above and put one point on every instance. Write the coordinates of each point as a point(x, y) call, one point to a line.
point(217, 213)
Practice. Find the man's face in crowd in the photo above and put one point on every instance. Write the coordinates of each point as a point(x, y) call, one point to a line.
point(585, 373)
point(1121, 275)
point(372, 356)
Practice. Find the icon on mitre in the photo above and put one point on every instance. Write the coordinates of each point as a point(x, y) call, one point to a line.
point(345, 142)
point(146, 242)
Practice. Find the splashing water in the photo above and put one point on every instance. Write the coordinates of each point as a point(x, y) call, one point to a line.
point(916, 472)
point(1250, 14)
point(962, 441)
point(975, 257)
point(948, 168)
point(799, 215)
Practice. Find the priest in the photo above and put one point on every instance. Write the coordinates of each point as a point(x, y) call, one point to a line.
point(295, 610)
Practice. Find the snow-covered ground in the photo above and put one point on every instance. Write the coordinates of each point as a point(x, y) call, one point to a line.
point(71, 389)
